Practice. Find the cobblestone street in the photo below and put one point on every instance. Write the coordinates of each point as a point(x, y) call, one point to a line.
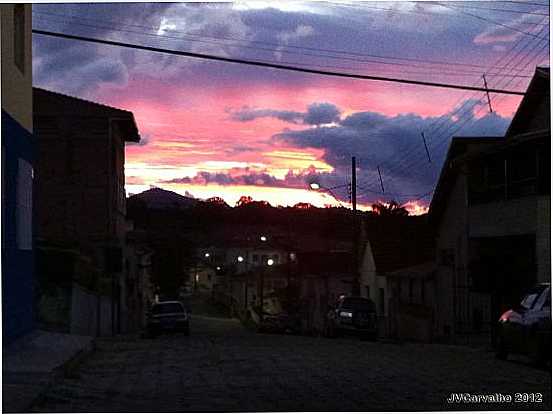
point(223, 367)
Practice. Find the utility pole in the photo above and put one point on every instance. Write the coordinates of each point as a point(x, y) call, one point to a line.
point(355, 289)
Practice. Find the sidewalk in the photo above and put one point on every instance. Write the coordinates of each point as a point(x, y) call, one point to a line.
point(32, 363)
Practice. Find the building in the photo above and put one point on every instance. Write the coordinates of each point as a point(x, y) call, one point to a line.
point(80, 211)
point(17, 171)
point(491, 212)
point(391, 244)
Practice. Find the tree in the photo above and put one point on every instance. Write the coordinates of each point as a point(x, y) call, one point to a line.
point(217, 201)
point(243, 201)
point(303, 205)
point(392, 208)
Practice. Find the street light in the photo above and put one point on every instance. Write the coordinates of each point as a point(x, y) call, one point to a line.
point(240, 259)
point(353, 188)
point(270, 262)
point(206, 255)
point(263, 238)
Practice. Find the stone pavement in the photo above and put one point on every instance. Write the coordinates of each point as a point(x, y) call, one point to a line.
point(35, 362)
point(222, 367)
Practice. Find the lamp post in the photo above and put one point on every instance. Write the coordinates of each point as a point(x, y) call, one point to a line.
point(356, 288)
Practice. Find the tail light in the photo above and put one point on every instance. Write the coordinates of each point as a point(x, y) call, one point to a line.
point(505, 316)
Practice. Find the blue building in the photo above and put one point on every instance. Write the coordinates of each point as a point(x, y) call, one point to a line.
point(17, 171)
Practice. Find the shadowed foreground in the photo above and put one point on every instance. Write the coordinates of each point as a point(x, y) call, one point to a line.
point(223, 367)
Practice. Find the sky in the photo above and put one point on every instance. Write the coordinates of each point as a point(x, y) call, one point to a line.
point(224, 129)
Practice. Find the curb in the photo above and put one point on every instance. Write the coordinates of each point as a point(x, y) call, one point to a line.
point(66, 370)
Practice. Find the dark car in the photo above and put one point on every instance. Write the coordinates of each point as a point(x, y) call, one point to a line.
point(526, 329)
point(170, 316)
point(353, 315)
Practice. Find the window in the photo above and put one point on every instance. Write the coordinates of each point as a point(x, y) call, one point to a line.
point(255, 258)
point(24, 210)
point(19, 36)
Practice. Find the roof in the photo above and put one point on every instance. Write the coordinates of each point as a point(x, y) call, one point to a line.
point(400, 242)
point(49, 103)
point(535, 100)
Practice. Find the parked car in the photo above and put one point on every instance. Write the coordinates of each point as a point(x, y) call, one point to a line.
point(169, 316)
point(526, 329)
point(353, 315)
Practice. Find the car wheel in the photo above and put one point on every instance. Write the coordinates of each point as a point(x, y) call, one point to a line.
point(501, 351)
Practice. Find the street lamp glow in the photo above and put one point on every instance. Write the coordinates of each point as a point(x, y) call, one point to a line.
point(263, 238)
point(315, 186)
point(240, 259)
point(206, 255)
point(270, 262)
point(218, 267)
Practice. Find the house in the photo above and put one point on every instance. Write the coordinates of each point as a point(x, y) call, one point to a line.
point(491, 212)
point(391, 244)
point(17, 171)
point(323, 277)
point(80, 211)
point(412, 303)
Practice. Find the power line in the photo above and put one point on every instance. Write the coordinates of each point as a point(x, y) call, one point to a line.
point(488, 20)
point(428, 71)
point(280, 47)
point(271, 65)
point(468, 5)
point(515, 2)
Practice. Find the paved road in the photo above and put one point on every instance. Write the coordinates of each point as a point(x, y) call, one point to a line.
point(223, 367)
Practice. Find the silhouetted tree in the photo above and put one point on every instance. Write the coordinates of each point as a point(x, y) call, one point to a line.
point(218, 201)
point(243, 200)
point(392, 208)
point(303, 205)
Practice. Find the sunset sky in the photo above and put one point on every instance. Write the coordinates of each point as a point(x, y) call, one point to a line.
point(219, 129)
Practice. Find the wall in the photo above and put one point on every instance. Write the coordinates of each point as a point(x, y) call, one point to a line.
point(17, 95)
point(526, 215)
point(17, 253)
point(17, 162)
point(452, 237)
point(84, 312)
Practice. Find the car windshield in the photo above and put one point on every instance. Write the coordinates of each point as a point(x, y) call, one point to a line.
point(531, 297)
point(161, 308)
point(358, 304)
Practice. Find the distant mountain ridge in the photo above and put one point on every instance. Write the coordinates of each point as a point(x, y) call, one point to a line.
point(158, 198)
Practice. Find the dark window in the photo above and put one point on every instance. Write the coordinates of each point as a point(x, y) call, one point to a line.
point(19, 36)
point(381, 301)
point(522, 169)
point(255, 258)
point(411, 288)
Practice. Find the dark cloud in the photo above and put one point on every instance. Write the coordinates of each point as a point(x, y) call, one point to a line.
point(316, 114)
point(393, 145)
point(246, 176)
point(247, 114)
point(321, 113)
